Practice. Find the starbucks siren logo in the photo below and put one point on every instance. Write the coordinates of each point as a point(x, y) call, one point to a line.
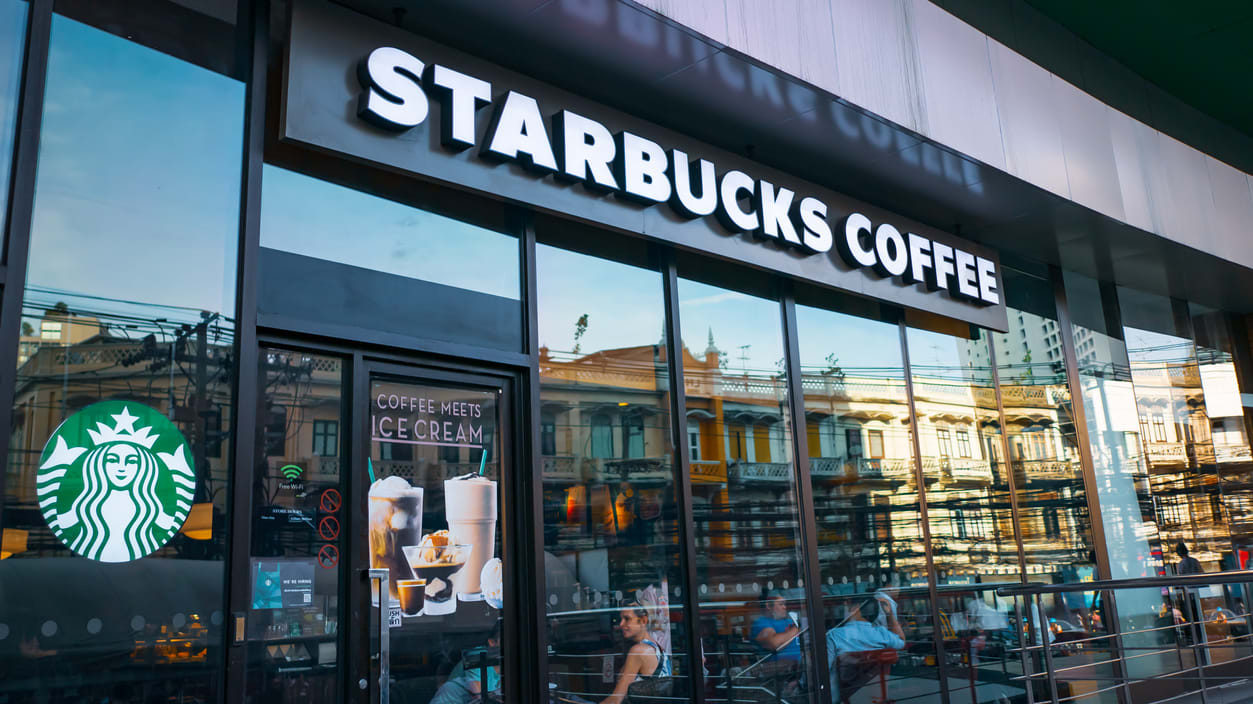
point(112, 491)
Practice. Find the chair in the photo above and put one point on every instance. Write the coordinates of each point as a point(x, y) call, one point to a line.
point(858, 668)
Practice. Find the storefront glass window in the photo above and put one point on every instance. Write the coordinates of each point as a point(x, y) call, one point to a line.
point(12, 41)
point(1043, 442)
point(611, 549)
point(1175, 432)
point(297, 531)
point(870, 541)
point(755, 629)
point(1216, 355)
point(967, 493)
point(383, 266)
point(117, 485)
point(1109, 405)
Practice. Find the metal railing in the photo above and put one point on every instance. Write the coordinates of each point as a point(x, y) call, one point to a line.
point(1183, 638)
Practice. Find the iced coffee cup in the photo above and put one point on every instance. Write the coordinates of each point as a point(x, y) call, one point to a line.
point(395, 521)
point(470, 502)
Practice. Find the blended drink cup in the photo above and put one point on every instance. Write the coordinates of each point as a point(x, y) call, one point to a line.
point(470, 502)
point(395, 522)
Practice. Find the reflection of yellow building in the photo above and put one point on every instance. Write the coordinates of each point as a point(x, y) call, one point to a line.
point(183, 372)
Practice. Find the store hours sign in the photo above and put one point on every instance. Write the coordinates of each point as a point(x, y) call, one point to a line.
point(377, 93)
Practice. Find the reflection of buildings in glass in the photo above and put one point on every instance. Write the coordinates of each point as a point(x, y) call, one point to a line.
point(75, 360)
point(604, 439)
point(1178, 450)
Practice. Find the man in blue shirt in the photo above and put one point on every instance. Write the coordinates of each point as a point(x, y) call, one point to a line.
point(857, 634)
point(776, 632)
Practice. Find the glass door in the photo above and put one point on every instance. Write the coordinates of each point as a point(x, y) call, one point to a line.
point(432, 546)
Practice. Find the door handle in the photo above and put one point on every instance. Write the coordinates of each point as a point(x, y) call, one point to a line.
point(384, 603)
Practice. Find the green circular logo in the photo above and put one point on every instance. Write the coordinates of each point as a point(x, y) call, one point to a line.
point(115, 481)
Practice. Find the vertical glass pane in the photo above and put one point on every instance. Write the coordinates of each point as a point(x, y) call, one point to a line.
point(611, 547)
point(1043, 441)
point(1216, 348)
point(754, 625)
point(1175, 433)
point(298, 521)
point(435, 468)
point(1044, 456)
point(12, 41)
point(870, 547)
point(116, 498)
point(968, 505)
point(1109, 404)
point(972, 533)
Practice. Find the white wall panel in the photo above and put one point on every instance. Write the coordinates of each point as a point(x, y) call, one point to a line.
point(878, 59)
point(957, 85)
point(1179, 192)
point(1233, 209)
point(709, 17)
point(1126, 133)
point(1090, 166)
point(1032, 138)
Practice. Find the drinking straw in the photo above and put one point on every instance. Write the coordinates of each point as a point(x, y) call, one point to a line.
point(483, 463)
point(369, 465)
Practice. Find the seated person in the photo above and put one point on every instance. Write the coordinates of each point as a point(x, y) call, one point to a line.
point(645, 659)
point(858, 634)
point(776, 632)
point(464, 683)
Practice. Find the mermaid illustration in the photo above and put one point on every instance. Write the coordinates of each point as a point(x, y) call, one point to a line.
point(120, 514)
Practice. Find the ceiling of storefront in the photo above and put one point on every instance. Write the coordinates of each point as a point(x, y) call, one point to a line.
point(1200, 52)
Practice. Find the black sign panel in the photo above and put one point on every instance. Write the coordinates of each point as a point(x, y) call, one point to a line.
point(373, 93)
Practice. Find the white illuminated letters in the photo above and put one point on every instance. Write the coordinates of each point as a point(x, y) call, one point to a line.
point(585, 149)
point(817, 235)
point(855, 251)
point(462, 96)
point(685, 200)
point(393, 96)
point(577, 148)
point(889, 249)
point(517, 132)
point(641, 167)
point(775, 205)
point(729, 212)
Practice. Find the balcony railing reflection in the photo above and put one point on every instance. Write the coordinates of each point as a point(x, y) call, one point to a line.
point(1048, 468)
point(561, 469)
point(967, 469)
point(779, 473)
point(884, 468)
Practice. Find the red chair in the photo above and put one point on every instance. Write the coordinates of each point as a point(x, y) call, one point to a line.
point(882, 661)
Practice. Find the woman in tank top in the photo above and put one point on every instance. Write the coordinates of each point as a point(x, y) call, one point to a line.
point(644, 660)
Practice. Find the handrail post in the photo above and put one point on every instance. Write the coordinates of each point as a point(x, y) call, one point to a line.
point(1048, 649)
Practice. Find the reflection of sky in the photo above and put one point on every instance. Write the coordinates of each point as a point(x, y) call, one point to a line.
point(12, 31)
point(745, 328)
point(306, 216)
point(861, 347)
point(624, 304)
point(137, 194)
point(937, 354)
point(1149, 346)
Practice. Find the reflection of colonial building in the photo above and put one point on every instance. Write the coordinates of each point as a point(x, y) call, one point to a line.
point(74, 361)
point(1185, 451)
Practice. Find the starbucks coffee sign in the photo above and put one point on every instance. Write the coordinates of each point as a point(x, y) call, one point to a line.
point(115, 481)
point(380, 95)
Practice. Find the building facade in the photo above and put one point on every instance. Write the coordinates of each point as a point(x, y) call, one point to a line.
point(613, 351)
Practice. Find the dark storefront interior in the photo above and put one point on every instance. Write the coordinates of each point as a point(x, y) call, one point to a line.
point(662, 475)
